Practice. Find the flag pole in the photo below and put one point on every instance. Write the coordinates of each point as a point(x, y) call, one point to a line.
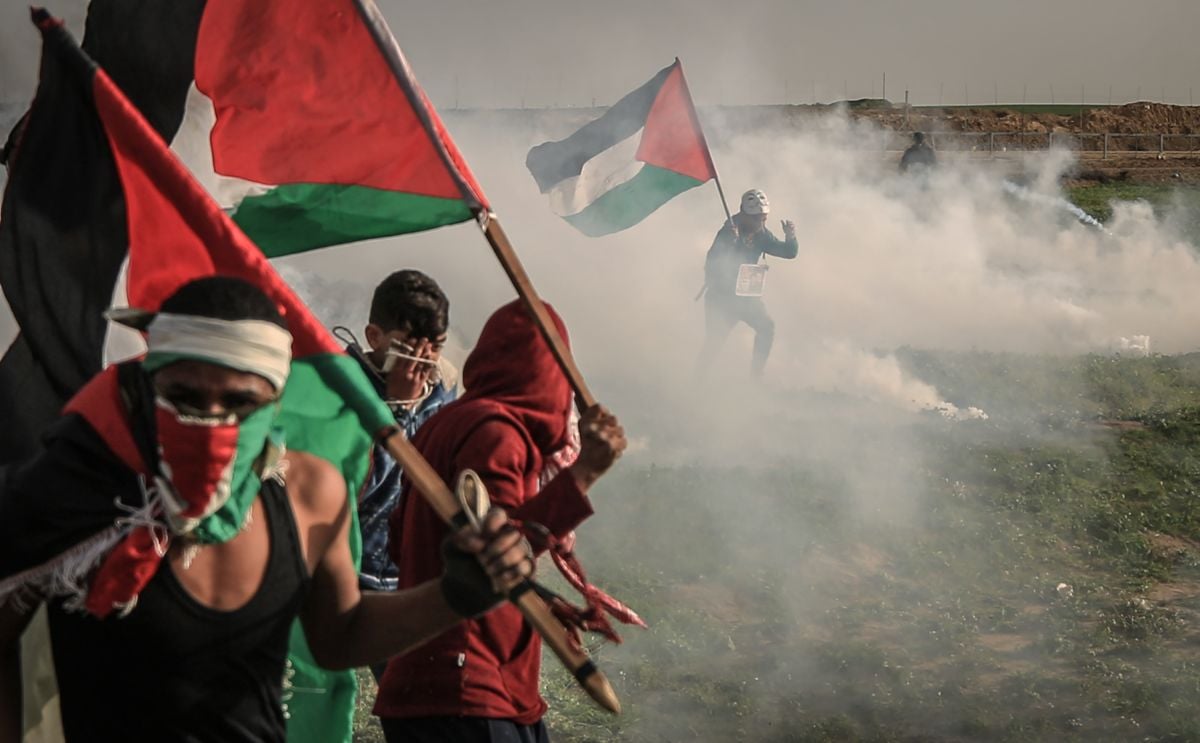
point(704, 141)
point(422, 474)
point(487, 220)
point(721, 193)
point(498, 239)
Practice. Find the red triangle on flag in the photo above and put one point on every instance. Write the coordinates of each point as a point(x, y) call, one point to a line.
point(673, 139)
point(177, 233)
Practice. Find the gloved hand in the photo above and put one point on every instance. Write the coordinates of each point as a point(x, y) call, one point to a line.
point(481, 566)
point(789, 228)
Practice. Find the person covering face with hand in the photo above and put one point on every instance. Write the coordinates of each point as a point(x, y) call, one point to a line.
point(408, 326)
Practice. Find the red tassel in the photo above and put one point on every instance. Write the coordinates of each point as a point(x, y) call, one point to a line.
point(592, 617)
point(125, 571)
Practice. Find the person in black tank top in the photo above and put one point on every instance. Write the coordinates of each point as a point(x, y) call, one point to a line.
point(82, 526)
point(176, 670)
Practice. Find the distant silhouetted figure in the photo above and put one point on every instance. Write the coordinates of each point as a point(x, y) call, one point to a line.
point(919, 156)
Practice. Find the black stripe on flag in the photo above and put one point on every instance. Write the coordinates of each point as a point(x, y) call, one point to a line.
point(149, 50)
point(63, 234)
point(552, 162)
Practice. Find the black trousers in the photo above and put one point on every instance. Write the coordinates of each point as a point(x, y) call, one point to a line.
point(722, 313)
point(462, 730)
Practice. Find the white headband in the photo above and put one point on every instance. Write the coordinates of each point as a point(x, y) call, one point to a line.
point(254, 346)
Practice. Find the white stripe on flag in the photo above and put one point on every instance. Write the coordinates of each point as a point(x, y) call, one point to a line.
point(8, 325)
point(193, 145)
point(121, 342)
point(601, 174)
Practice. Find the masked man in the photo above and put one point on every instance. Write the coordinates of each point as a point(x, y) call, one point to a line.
point(174, 540)
point(479, 680)
point(734, 278)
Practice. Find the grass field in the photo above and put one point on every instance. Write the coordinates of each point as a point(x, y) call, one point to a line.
point(1097, 200)
point(1044, 586)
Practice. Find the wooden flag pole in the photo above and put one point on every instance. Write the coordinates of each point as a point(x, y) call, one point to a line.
point(721, 193)
point(532, 607)
point(497, 238)
point(704, 140)
point(428, 483)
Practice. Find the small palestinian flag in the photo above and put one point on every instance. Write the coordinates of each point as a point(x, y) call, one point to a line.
point(615, 171)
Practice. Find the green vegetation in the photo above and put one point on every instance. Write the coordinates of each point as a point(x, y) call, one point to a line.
point(1097, 200)
point(1044, 586)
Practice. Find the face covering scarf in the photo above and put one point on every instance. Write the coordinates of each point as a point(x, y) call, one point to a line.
point(210, 469)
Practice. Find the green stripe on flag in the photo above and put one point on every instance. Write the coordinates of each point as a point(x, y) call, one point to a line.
point(330, 410)
point(297, 217)
point(631, 202)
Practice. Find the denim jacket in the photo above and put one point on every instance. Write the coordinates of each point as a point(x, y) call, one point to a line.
point(381, 492)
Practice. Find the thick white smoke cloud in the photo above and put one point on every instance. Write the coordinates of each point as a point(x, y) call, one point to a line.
point(948, 262)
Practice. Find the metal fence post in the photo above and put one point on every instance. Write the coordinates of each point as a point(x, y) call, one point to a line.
point(1161, 143)
point(1106, 145)
point(992, 145)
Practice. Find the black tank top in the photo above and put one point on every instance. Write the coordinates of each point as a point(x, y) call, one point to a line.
point(175, 671)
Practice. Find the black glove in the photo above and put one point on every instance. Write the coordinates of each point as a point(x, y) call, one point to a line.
point(465, 586)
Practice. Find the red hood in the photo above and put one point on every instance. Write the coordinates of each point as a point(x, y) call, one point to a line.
point(512, 365)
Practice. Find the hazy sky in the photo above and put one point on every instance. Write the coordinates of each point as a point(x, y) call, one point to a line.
point(570, 52)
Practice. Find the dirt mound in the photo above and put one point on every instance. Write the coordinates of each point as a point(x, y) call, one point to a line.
point(1132, 118)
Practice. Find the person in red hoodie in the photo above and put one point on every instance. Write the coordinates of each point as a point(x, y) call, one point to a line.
point(478, 681)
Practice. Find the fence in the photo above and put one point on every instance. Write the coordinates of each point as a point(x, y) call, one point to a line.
point(1092, 145)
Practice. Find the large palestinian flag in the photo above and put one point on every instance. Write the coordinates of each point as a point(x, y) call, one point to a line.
point(306, 121)
point(78, 199)
point(616, 170)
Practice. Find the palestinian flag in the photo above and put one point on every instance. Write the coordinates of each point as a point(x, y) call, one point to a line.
point(134, 192)
point(307, 122)
point(615, 171)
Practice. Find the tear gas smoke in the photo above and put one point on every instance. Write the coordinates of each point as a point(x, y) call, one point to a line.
point(1055, 201)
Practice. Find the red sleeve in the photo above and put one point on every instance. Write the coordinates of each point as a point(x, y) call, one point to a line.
point(498, 453)
point(560, 506)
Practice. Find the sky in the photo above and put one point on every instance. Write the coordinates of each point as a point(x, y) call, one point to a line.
point(536, 53)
